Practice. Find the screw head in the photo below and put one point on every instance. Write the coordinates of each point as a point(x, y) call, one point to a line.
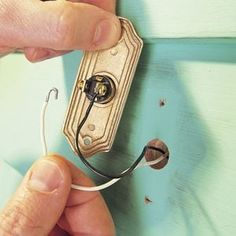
point(87, 141)
point(152, 155)
point(114, 51)
point(91, 127)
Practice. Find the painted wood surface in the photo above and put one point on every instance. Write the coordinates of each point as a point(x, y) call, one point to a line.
point(9, 181)
point(195, 194)
point(181, 18)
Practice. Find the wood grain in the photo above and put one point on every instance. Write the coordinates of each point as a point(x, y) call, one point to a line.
point(181, 18)
point(195, 193)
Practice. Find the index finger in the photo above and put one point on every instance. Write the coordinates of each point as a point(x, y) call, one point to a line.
point(85, 213)
point(59, 25)
point(107, 5)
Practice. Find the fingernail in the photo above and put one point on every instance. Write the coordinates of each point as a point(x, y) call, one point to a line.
point(105, 32)
point(46, 176)
point(40, 55)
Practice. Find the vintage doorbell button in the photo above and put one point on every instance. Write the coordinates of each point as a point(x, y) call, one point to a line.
point(109, 74)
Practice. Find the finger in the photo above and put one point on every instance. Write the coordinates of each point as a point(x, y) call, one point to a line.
point(57, 231)
point(86, 212)
point(107, 5)
point(41, 54)
point(59, 25)
point(5, 50)
point(40, 200)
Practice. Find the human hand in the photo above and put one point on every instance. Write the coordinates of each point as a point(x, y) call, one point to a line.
point(45, 204)
point(47, 29)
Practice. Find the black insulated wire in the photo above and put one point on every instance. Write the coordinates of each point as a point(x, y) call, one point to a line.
point(94, 169)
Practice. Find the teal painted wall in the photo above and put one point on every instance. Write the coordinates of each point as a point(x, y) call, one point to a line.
point(195, 194)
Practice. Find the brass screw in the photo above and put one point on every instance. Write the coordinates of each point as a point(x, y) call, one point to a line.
point(101, 89)
point(99, 78)
point(81, 84)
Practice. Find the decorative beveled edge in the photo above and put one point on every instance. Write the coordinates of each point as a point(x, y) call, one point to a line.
point(106, 145)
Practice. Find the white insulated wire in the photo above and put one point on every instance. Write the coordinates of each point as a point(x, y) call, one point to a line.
point(113, 181)
point(42, 128)
point(75, 186)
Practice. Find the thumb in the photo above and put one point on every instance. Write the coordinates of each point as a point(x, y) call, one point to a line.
point(40, 200)
point(59, 25)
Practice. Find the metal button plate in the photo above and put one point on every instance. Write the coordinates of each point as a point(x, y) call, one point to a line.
point(118, 63)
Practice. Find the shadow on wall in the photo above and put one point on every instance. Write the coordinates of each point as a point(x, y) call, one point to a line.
point(176, 122)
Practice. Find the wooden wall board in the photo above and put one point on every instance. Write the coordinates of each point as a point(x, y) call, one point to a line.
point(13, 180)
point(195, 194)
point(181, 18)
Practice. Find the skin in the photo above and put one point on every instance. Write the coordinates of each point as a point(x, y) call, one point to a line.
point(47, 29)
point(42, 30)
point(35, 210)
